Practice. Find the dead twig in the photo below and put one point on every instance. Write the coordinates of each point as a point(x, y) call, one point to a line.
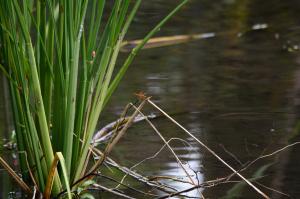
point(155, 154)
point(112, 191)
point(111, 129)
point(105, 133)
point(170, 148)
point(29, 171)
point(116, 139)
point(270, 154)
point(158, 185)
point(156, 178)
point(110, 146)
point(274, 190)
point(124, 185)
point(210, 150)
point(15, 176)
point(35, 191)
point(167, 144)
point(204, 184)
point(231, 154)
point(259, 158)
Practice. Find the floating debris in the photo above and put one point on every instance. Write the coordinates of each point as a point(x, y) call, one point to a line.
point(290, 46)
point(259, 26)
point(127, 46)
point(165, 41)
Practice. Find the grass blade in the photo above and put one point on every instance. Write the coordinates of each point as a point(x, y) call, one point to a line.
point(134, 52)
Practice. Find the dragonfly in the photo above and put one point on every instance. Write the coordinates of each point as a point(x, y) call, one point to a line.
point(141, 95)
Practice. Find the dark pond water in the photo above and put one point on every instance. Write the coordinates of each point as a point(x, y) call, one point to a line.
point(239, 95)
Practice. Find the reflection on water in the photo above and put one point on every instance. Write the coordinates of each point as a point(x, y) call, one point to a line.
point(234, 93)
point(8, 189)
point(239, 95)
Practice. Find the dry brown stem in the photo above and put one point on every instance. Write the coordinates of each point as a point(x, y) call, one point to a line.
point(210, 150)
point(15, 176)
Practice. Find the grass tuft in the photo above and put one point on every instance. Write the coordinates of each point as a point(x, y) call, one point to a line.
point(61, 77)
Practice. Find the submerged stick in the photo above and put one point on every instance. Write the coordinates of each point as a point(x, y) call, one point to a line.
point(163, 41)
point(210, 150)
point(105, 133)
point(156, 42)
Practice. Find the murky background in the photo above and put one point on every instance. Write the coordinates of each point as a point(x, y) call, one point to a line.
point(238, 94)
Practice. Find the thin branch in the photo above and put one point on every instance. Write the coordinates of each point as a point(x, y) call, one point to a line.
point(112, 191)
point(112, 128)
point(155, 178)
point(231, 154)
point(106, 132)
point(15, 176)
point(274, 190)
point(271, 154)
point(124, 185)
point(158, 185)
point(210, 150)
point(204, 184)
point(116, 139)
point(170, 148)
point(34, 192)
point(110, 146)
point(29, 171)
point(166, 143)
point(155, 154)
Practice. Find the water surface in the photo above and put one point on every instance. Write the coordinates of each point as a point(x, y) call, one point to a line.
point(236, 94)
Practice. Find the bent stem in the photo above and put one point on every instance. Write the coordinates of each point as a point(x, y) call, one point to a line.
point(53, 170)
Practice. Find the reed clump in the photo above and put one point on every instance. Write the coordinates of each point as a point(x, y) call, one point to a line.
point(60, 73)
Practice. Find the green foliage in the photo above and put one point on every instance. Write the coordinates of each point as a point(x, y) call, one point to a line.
point(61, 76)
